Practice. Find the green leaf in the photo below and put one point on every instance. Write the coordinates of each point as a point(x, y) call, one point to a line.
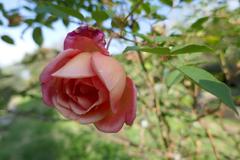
point(65, 22)
point(161, 39)
point(50, 20)
point(99, 16)
point(198, 24)
point(146, 7)
point(157, 39)
point(187, 1)
point(29, 21)
point(7, 39)
point(131, 48)
point(208, 82)
point(118, 22)
point(192, 48)
point(60, 11)
point(167, 2)
point(37, 35)
point(173, 78)
point(2, 7)
point(155, 50)
point(135, 26)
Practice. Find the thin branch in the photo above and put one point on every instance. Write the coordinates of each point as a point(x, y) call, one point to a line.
point(109, 42)
point(159, 114)
point(127, 39)
point(224, 66)
point(209, 112)
point(195, 94)
point(210, 137)
point(23, 32)
point(133, 9)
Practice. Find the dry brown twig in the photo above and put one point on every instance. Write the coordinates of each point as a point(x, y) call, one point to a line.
point(210, 137)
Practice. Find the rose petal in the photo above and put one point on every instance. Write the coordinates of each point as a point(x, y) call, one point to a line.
point(69, 87)
point(61, 97)
point(47, 81)
point(103, 94)
point(57, 63)
point(67, 113)
point(84, 44)
point(98, 84)
point(64, 111)
point(129, 100)
point(86, 81)
point(111, 74)
point(48, 91)
point(77, 108)
point(62, 100)
point(89, 32)
point(95, 114)
point(85, 102)
point(75, 89)
point(126, 113)
point(86, 39)
point(111, 123)
point(77, 67)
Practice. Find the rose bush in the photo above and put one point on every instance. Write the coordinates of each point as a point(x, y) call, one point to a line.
point(85, 84)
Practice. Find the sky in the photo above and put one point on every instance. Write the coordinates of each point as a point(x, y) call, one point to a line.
point(10, 54)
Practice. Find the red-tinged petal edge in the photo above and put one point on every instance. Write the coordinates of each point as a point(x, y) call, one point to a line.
point(95, 114)
point(86, 39)
point(77, 67)
point(47, 81)
point(126, 113)
point(86, 31)
point(130, 99)
point(48, 91)
point(59, 61)
point(112, 74)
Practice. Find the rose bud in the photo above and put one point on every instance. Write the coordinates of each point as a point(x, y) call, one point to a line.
point(87, 85)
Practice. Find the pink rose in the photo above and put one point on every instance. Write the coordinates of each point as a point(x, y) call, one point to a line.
point(85, 84)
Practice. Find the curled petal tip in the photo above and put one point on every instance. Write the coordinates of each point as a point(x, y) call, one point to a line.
point(92, 33)
point(74, 38)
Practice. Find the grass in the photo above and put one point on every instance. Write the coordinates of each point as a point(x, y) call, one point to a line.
point(30, 138)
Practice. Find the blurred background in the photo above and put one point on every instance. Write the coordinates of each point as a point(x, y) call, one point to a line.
point(192, 124)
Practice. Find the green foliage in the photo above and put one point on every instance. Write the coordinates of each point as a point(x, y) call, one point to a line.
point(45, 139)
point(191, 48)
point(208, 82)
point(100, 16)
point(156, 50)
point(37, 35)
point(167, 2)
point(31, 130)
point(173, 78)
point(58, 10)
point(7, 39)
point(199, 23)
